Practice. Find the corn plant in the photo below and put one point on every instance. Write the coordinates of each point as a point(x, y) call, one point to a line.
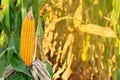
point(20, 23)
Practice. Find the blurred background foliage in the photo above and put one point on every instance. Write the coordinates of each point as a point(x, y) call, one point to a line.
point(81, 37)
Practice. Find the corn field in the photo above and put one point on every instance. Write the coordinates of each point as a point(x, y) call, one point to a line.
point(59, 40)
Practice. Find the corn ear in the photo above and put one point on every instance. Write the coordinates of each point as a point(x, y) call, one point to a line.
point(27, 41)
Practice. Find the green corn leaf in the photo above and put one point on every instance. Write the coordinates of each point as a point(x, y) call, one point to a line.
point(35, 9)
point(23, 9)
point(49, 68)
point(115, 12)
point(15, 43)
point(20, 76)
point(118, 74)
point(28, 3)
point(19, 65)
point(3, 61)
point(40, 30)
point(18, 24)
point(1, 16)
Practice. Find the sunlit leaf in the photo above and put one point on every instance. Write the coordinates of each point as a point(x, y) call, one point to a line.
point(1, 16)
point(115, 4)
point(18, 3)
point(3, 39)
point(85, 48)
point(97, 30)
point(6, 14)
point(78, 16)
point(114, 17)
point(115, 12)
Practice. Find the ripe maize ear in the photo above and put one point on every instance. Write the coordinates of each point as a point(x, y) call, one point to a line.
point(27, 40)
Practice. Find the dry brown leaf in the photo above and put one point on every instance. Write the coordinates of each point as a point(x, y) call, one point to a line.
point(8, 72)
point(66, 74)
point(59, 71)
point(68, 71)
point(97, 30)
point(54, 67)
point(58, 57)
point(53, 49)
point(68, 42)
point(39, 71)
point(57, 74)
point(70, 54)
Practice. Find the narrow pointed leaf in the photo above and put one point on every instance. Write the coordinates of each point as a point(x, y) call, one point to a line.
point(78, 16)
point(49, 68)
point(35, 10)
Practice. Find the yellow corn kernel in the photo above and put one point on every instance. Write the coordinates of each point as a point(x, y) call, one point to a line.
point(27, 40)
